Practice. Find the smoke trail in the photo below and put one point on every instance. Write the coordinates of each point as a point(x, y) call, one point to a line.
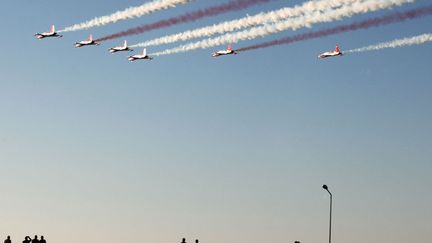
point(373, 22)
point(295, 23)
point(233, 5)
point(249, 21)
point(409, 41)
point(129, 13)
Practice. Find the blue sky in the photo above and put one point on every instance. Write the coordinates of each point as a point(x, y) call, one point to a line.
point(231, 149)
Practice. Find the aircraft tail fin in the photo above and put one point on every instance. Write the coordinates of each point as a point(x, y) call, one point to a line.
point(229, 48)
point(337, 48)
point(52, 28)
point(125, 44)
point(90, 37)
point(144, 52)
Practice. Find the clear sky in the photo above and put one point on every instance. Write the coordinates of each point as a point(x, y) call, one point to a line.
point(232, 149)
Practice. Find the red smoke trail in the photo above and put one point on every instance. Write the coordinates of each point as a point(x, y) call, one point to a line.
point(373, 22)
point(188, 17)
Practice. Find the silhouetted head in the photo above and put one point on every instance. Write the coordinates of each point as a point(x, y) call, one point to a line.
point(196, 241)
point(35, 236)
point(183, 240)
point(296, 241)
point(42, 237)
point(8, 237)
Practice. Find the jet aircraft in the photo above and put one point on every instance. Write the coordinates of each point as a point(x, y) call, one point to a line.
point(228, 51)
point(44, 35)
point(140, 56)
point(89, 42)
point(336, 52)
point(120, 48)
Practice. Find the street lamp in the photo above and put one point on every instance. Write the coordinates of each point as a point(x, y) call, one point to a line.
point(325, 187)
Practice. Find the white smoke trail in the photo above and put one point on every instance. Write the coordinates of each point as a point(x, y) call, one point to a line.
point(250, 21)
point(295, 23)
point(409, 41)
point(129, 13)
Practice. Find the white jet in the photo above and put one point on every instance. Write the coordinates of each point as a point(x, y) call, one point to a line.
point(228, 51)
point(88, 42)
point(120, 48)
point(336, 52)
point(140, 56)
point(44, 35)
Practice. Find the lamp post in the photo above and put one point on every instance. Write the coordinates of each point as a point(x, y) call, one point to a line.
point(325, 187)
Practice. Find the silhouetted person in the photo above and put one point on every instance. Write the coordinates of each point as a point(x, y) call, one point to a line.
point(27, 239)
point(196, 241)
point(42, 240)
point(8, 240)
point(35, 240)
point(183, 240)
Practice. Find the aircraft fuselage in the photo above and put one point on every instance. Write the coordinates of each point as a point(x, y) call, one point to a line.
point(223, 53)
point(134, 58)
point(41, 36)
point(330, 54)
point(81, 44)
point(114, 50)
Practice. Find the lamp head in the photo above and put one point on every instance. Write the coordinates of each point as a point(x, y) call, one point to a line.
point(325, 187)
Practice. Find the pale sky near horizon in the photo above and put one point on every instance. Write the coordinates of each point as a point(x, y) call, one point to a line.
point(232, 149)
